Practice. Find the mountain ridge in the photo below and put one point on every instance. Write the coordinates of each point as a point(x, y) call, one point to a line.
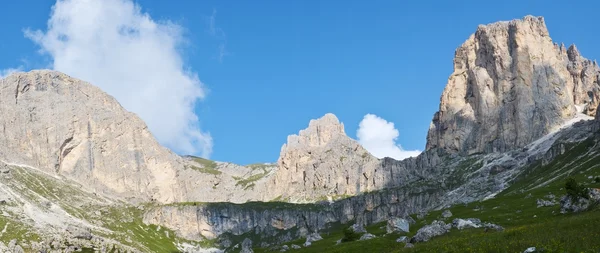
point(514, 100)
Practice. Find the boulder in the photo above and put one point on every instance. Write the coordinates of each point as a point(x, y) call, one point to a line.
point(247, 246)
point(284, 248)
point(314, 237)
point(79, 232)
point(402, 239)
point(357, 228)
point(466, 223)
point(367, 236)
point(436, 228)
point(544, 203)
point(447, 214)
point(569, 204)
point(397, 225)
point(491, 226)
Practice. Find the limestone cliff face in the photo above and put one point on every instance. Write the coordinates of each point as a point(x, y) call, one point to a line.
point(66, 126)
point(511, 85)
point(284, 222)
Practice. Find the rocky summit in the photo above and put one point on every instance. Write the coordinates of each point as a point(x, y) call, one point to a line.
point(515, 122)
point(511, 85)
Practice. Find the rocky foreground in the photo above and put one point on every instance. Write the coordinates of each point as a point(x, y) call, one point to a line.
point(80, 172)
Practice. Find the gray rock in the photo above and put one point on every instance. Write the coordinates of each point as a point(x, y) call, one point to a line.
point(357, 228)
point(570, 205)
point(284, 248)
point(436, 228)
point(18, 249)
point(409, 245)
point(410, 220)
point(466, 223)
point(367, 236)
point(294, 246)
point(447, 214)
point(491, 226)
point(402, 239)
point(79, 232)
point(247, 246)
point(544, 203)
point(396, 224)
point(530, 250)
point(314, 237)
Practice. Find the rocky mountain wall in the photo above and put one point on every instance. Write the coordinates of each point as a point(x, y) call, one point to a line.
point(511, 85)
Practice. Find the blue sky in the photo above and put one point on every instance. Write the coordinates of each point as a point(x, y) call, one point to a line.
point(268, 67)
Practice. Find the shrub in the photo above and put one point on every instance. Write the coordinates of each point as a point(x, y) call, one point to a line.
point(597, 180)
point(575, 190)
point(350, 235)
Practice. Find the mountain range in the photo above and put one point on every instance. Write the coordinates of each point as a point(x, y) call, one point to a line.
point(80, 173)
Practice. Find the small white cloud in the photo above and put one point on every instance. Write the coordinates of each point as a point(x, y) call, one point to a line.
point(6, 72)
point(219, 34)
point(379, 136)
point(114, 45)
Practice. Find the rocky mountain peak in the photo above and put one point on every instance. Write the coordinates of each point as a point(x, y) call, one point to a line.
point(511, 85)
point(319, 132)
point(322, 160)
point(528, 24)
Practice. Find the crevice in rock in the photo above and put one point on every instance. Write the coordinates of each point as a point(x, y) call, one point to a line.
point(63, 152)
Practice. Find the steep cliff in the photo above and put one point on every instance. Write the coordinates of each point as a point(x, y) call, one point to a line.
point(511, 85)
point(65, 126)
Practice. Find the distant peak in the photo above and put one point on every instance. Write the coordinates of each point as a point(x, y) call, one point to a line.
point(319, 132)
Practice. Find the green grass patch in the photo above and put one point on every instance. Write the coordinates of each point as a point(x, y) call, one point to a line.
point(208, 166)
point(246, 182)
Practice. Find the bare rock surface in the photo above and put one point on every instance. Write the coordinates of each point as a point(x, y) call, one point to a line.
point(322, 161)
point(511, 85)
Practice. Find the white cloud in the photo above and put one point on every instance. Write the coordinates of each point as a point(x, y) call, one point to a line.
point(6, 72)
point(219, 34)
point(379, 136)
point(114, 45)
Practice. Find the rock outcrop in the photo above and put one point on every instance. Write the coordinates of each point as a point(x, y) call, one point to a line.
point(511, 85)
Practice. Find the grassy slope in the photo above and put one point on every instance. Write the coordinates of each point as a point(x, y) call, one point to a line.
point(514, 209)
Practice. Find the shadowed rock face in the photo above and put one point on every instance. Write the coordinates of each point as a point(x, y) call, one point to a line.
point(511, 85)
